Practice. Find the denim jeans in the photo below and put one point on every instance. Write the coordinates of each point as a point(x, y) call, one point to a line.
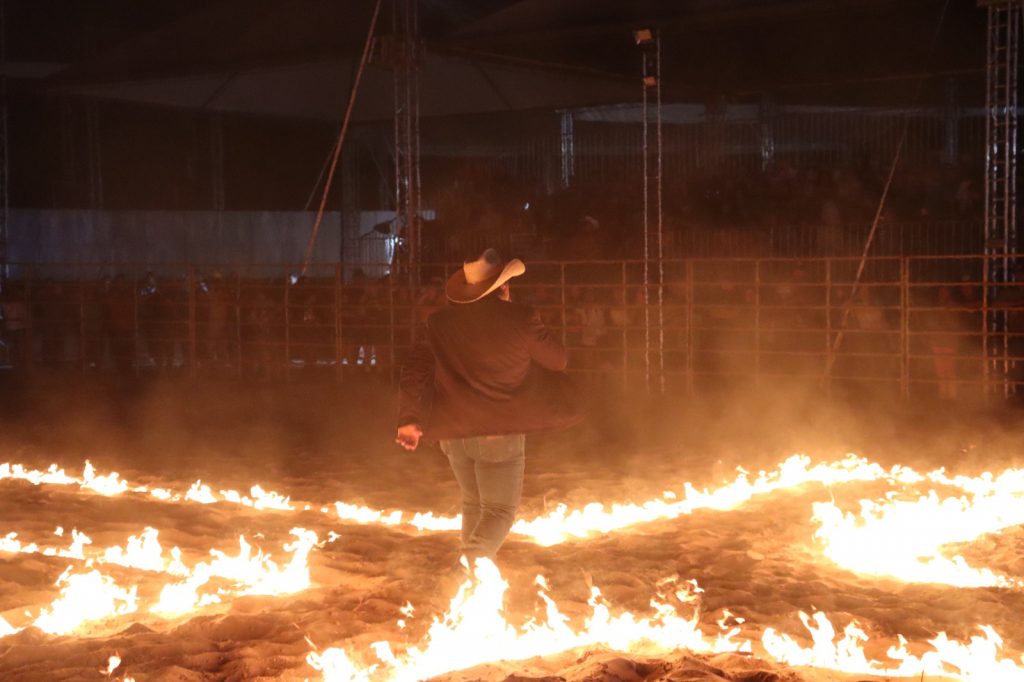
point(489, 470)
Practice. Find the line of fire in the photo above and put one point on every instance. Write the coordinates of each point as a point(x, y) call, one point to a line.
point(511, 341)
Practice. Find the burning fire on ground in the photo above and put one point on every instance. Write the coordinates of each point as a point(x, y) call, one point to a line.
point(900, 535)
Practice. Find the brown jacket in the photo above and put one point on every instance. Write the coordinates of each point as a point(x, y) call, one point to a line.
point(486, 368)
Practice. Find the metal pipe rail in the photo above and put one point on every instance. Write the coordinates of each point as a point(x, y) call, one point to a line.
point(918, 325)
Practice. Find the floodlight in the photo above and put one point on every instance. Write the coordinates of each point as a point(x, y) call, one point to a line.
point(643, 36)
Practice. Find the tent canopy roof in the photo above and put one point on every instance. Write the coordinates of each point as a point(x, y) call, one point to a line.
point(296, 58)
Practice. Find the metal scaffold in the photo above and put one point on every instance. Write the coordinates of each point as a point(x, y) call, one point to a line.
point(404, 53)
point(649, 42)
point(4, 161)
point(1001, 241)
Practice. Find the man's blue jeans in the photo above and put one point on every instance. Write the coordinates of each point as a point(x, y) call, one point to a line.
point(489, 470)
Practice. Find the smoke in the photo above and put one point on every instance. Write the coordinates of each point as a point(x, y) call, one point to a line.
point(315, 439)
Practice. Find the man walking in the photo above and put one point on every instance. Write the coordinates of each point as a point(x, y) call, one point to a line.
point(488, 373)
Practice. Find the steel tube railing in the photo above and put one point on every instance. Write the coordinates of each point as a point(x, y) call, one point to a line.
point(919, 324)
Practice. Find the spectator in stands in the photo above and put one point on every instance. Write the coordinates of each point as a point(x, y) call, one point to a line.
point(217, 299)
point(870, 336)
point(430, 300)
point(966, 199)
point(150, 322)
point(588, 242)
point(119, 314)
point(724, 341)
point(14, 310)
point(353, 332)
point(944, 341)
point(588, 317)
point(52, 318)
point(92, 347)
point(261, 330)
point(376, 321)
point(675, 324)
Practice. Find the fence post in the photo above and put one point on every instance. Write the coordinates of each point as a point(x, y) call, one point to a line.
point(135, 326)
point(691, 337)
point(561, 281)
point(904, 327)
point(192, 322)
point(238, 321)
point(287, 328)
point(829, 363)
point(986, 369)
point(339, 345)
point(625, 327)
point(392, 370)
point(82, 347)
point(757, 322)
point(29, 352)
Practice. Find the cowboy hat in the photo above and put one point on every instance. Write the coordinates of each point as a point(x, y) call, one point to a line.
point(479, 277)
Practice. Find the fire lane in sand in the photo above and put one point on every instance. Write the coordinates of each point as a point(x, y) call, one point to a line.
point(900, 536)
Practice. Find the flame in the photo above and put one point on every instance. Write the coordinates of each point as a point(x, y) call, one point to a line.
point(7, 629)
point(52, 475)
point(248, 572)
point(475, 631)
point(143, 552)
point(261, 499)
point(112, 663)
point(978, 660)
point(85, 597)
point(201, 493)
point(563, 524)
point(108, 484)
point(365, 515)
point(112, 484)
point(898, 536)
point(903, 539)
point(560, 525)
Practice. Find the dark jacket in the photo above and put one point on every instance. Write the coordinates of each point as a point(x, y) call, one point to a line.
point(486, 368)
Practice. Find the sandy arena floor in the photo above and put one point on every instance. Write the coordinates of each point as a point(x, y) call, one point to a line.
point(760, 561)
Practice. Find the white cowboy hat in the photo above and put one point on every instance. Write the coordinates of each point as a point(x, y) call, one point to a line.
point(479, 277)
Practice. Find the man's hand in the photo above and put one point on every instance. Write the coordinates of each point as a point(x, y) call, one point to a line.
point(409, 436)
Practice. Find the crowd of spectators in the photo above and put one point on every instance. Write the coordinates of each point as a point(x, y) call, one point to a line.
point(594, 219)
point(717, 323)
point(266, 327)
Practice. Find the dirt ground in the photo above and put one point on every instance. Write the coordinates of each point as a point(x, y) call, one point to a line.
point(320, 442)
